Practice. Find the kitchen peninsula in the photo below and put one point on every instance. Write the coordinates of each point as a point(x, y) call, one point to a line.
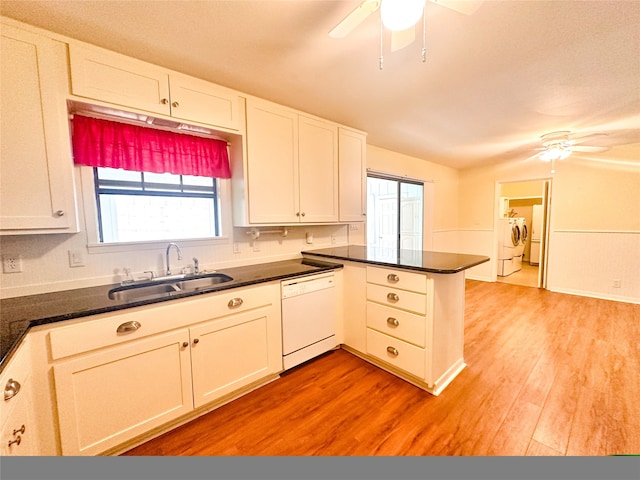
point(404, 310)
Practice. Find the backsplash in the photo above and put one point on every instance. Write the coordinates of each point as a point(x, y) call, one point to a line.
point(46, 258)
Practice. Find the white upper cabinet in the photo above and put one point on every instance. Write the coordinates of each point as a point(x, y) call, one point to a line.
point(114, 78)
point(318, 161)
point(291, 167)
point(272, 163)
point(36, 169)
point(353, 178)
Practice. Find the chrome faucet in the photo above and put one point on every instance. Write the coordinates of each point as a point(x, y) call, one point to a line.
point(167, 255)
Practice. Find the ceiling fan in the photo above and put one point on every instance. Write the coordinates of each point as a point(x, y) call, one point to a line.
point(561, 144)
point(398, 16)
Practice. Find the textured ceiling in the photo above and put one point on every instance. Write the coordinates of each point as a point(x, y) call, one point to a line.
point(493, 83)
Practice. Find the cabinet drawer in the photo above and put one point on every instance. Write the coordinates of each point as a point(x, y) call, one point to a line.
point(14, 379)
point(397, 323)
point(396, 352)
point(402, 279)
point(414, 302)
point(102, 330)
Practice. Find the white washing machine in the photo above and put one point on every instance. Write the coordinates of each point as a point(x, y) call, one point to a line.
point(508, 246)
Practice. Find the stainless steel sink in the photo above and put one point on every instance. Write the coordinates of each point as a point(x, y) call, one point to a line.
point(202, 283)
point(141, 292)
point(161, 288)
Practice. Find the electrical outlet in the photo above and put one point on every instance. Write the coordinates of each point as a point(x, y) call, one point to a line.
point(354, 226)
point(256, 246)
point(11, 263)
point(617, 283)
point(76, 258)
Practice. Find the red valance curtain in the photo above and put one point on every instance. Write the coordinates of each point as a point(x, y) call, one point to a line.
point(102, 143)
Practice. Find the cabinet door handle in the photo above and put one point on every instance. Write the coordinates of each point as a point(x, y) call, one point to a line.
point(393, 278)
point(196, 341)
point(393, 351)
point(235, 302)
point(164, 101)
point(393, 297)
point(175, 104)
point(59, 213)
point(16, 441)
point(129, 327)
point(393, 321)
point(185, 344)
point(303, 214)
point(19, 430)
point(11, 389)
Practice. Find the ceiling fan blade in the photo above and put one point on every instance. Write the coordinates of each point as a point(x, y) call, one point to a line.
point(589, 149)
point(466, 7)
point(355, 18)
point(588, 138)
point(402, 38)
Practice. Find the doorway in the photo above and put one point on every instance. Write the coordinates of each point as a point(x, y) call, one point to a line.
point(523, 232)
point(395, 212)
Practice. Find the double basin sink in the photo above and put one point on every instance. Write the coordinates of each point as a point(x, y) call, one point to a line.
point(161, 287)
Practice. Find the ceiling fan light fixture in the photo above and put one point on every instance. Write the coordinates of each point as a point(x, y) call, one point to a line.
point(399, 15)
point(555, 152)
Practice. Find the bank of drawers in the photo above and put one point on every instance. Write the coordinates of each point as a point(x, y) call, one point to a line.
point(396, 318)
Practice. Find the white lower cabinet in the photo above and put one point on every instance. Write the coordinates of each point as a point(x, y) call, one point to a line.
point(18, 430)
point(130, 384)
point(410, 323)
point(233, 352)
point(116, 394)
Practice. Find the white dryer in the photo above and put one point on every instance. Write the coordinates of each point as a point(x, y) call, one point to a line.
point(524, 233)
point(508, 245)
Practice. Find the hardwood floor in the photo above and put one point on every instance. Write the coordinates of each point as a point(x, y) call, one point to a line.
point(547, 374)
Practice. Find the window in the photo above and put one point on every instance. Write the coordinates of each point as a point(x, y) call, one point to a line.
point(151, 184)
point(394, 212)
point(142, 206)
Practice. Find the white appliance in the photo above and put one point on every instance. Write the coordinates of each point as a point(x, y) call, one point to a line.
point(508, 244)
point(308, 318)
point(536, 232)
point(524, 233)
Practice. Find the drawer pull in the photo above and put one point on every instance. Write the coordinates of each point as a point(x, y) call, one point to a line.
point(235, 302)
point(16, 441)
point(393, 278)
point(393, 297)
point(129, 327)
point(393, 351)
point(393, 321)
point(11, 389)
point(19, 430)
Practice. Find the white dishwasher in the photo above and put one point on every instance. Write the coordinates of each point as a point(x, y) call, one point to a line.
point(308, 318)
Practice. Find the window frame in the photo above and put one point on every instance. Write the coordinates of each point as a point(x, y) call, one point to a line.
point(85, 178)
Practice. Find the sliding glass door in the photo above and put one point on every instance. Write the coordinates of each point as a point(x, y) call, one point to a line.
point(394, 212)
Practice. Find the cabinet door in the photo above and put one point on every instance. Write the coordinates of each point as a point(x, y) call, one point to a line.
point(318, 163)
point(36, 171)
point(233, 352)
point(111, 396)
point(204, 102)
point(353, 178)
point(115, 78)
point(272, 163)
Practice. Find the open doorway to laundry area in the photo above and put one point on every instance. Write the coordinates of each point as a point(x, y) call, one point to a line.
point(523, 232)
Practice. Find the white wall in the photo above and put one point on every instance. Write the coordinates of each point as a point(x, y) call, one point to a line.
point(595, 219)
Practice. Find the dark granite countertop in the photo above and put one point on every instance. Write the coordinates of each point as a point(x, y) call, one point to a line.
point(423, 261)
point(18, 314)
